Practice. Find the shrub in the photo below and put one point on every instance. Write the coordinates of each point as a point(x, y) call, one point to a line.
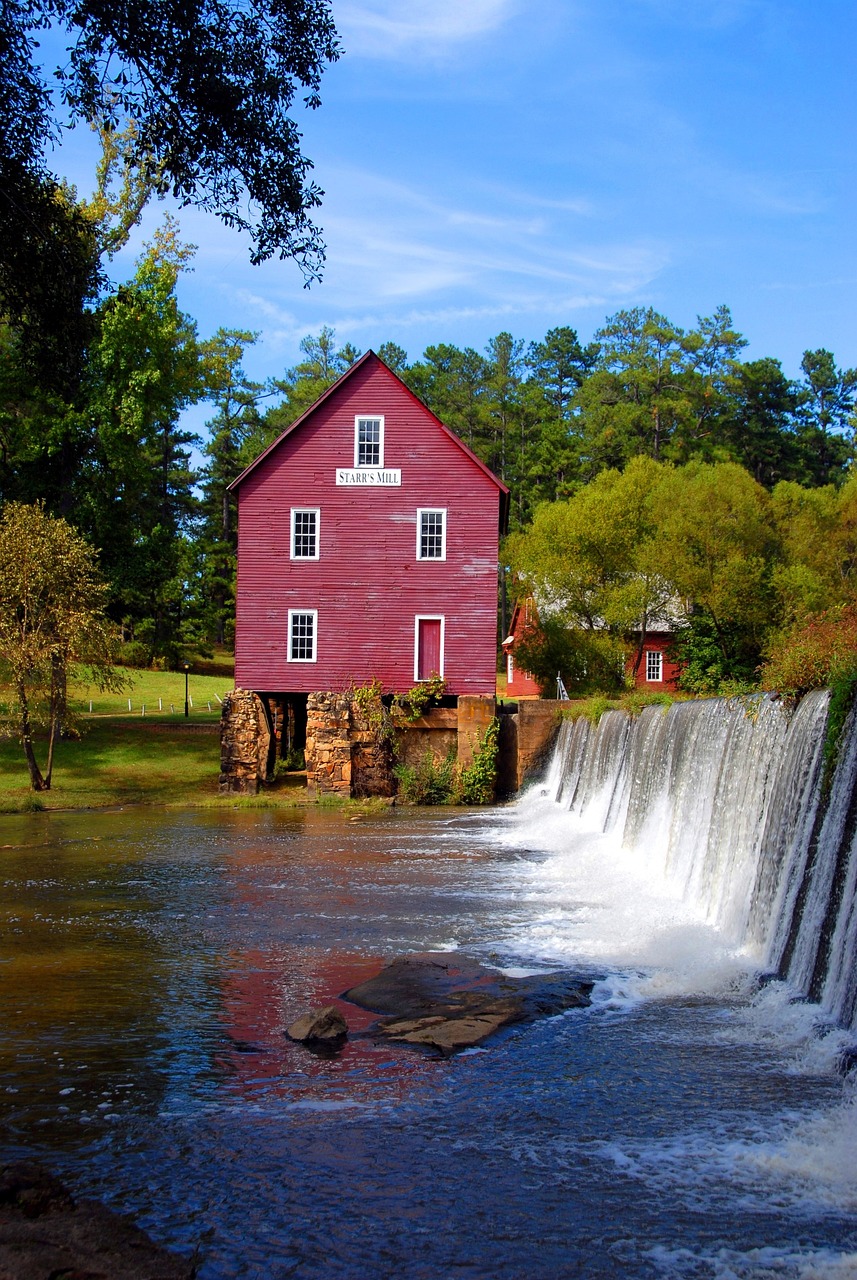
point(815, 652)
point(429, 781)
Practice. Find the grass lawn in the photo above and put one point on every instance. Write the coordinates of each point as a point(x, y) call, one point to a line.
point(128, 757)
point(158, 694)
point(118, 763)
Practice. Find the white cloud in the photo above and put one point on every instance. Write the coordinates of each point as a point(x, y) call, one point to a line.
point(403, 260)
point(390, 29)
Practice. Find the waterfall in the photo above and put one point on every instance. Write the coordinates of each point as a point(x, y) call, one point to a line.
point(724, 799)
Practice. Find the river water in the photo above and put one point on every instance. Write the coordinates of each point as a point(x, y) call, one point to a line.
point(687, 1125)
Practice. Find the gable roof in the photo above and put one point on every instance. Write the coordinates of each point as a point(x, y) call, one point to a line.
point(367, 357)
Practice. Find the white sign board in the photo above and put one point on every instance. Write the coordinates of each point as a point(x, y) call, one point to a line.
point(377, 476)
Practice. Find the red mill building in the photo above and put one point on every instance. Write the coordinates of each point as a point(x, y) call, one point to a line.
point(367, 551)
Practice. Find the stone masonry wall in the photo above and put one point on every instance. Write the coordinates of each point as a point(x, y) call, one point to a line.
point(245, 741)
point(328, 744)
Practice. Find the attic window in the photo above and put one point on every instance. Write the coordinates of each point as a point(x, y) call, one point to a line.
point(369, 441)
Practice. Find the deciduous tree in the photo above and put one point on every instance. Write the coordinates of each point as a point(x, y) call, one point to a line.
point(52, 601)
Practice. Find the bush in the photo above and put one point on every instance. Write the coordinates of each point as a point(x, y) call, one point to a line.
point(430, 781)
point(813, 653)
point(475, 785)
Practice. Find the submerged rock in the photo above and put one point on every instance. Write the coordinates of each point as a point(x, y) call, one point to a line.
point(46, 1234)
point(448, 1002)
point(326, 1026)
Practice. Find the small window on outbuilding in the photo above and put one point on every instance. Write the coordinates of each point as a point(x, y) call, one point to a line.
point(303, 634)
point(431, 534)
point(654, 665)
point(369, 441)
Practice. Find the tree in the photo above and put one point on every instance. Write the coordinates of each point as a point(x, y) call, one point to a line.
point(452, 383)
point(717, 542)
point(210, 87)
point(635, 400)
point(827, 397)
point(135, 490)
point(558, 366)
point(758, 427)
point(304, 383)
point(594, 563)
point(236, 398)
point(52, 601)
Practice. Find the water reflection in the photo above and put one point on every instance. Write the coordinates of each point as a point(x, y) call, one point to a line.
point(146, 982)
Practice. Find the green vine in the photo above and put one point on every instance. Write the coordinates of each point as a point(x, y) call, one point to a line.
point(367, 701)
point(475, 784)
point(843, 690)
point(416, 702)
point(430, 780)
point(435, 781)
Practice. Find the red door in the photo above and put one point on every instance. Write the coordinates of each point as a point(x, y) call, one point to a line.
point(429, 656)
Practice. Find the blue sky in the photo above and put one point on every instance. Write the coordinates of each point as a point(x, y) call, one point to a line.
point(522, 164)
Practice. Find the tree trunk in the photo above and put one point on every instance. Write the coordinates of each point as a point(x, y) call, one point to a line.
point(37, 782)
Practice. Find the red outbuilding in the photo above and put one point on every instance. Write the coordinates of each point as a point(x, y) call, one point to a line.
point(367, 548)
point(650, 667)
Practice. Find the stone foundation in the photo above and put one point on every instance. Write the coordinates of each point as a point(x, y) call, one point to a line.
point(345, 754)
point(526, 739)
point(328, 744)
point(245, 743)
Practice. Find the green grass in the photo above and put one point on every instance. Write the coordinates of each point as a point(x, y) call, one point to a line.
point(146, 688)
point(127, 757)
point(116, 763)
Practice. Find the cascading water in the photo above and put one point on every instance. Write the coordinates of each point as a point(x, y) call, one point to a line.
point(722, 800)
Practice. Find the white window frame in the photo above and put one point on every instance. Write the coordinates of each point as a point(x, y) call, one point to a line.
point(431, 511)
point(305, 511)
point(428, 617)
point(303, 613)
point(365, 417)
point(510, 668)
point(656, 654)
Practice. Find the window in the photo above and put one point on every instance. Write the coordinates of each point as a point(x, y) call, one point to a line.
point(302, 634)
point(369, 442)
point(431, 535)
point(305, 527)
point(654, 664)
point(510, 668)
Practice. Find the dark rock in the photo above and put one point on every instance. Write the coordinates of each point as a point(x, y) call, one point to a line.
point(45, 1234)
point(448, 1002)
point(323, 1025)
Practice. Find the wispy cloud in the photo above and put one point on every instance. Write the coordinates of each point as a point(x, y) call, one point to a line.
point(403, 260)
point(389, 29)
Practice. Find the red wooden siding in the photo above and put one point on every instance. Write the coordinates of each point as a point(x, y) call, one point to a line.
point(656, 642)
point(367, 586)
point(522, 684)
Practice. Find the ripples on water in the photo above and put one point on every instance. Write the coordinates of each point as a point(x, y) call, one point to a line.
point(149, 965)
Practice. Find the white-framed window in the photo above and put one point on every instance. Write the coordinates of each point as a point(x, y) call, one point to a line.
point(654, 664)
point(303, 634)
point(431, 534)
point(510, 668)
point(306, 527)
point(429, 641)
point(369, 440)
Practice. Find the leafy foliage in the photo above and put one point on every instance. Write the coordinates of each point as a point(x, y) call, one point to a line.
point(813, 652)
point(210, 88)
point(51, 615)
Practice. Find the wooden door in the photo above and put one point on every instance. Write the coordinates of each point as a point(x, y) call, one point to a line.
point(429, 648)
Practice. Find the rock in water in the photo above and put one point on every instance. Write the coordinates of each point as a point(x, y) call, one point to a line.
point(449, 1002)
point(45, 1234)
point(323, 1026)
